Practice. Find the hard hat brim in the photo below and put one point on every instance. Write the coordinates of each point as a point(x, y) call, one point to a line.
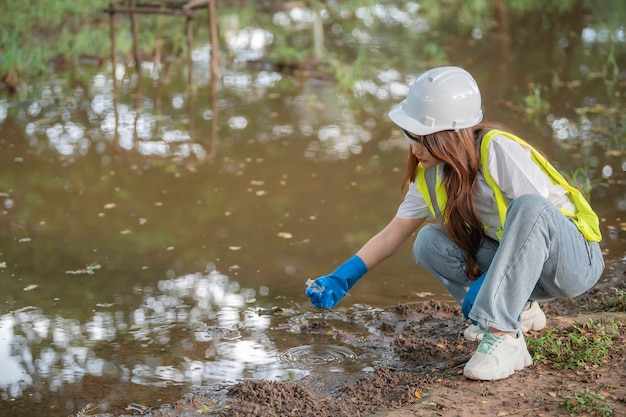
point(400, 117)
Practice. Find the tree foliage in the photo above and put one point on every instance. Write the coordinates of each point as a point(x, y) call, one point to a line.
point(33, 32)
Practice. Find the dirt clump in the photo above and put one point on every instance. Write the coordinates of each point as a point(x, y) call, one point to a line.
point(423, 376)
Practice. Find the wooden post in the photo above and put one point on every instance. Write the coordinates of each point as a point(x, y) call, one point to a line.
point(214, 39)
point(138, 110)
point(214, 121)
point(132, 8)
point(189, 30)
point(135, 29)
point(157, 47)
point(318, 34)
point(191, 105)
point(113, 27)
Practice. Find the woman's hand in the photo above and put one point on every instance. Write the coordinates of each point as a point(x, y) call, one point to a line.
point(470, 297)
point(326, 291)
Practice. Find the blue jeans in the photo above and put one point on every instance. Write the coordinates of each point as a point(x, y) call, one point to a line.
point(542, 255)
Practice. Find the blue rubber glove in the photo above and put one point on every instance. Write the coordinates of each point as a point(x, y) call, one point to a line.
point(326, 291)
point(470, 297)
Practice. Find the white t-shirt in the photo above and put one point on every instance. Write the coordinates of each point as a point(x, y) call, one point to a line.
point(514, 172)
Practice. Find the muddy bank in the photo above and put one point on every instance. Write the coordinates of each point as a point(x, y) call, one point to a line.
point(421, 373)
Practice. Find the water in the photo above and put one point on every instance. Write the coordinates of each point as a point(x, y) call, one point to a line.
point(153, 238)
point(317, 356)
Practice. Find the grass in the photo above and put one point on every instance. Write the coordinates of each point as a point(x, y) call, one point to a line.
point(614, 302)
point(578, 347)
point(574, 347)
point(588, 401)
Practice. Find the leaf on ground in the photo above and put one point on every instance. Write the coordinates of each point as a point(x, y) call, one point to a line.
point(424, 294)
point(87, 270)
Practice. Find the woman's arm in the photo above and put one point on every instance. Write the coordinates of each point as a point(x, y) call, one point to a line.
point(327, 290)
point(387, 241)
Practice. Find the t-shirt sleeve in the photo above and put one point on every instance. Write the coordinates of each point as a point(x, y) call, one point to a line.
point(515, 173)
point(414, 206)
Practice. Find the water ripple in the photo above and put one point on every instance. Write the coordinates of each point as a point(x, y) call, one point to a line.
point(312, 356)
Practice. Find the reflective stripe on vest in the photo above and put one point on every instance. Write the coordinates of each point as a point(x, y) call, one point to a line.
point(440, 192)
point(585, 219)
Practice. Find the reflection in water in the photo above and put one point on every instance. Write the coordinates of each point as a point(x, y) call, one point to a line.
point(15, 358)
point(192, 329)
point(141, 127)
point(115, 109)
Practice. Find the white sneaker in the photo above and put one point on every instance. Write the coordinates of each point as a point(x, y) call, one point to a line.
point(473, 333)
point(498, 357)
point(533, 318)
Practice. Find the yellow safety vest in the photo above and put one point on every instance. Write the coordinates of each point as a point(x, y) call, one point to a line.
point(585, 219)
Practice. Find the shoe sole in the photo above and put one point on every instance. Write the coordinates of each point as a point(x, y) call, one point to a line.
point(523, 362)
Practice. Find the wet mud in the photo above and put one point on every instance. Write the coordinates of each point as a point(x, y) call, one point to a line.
point(420, 373)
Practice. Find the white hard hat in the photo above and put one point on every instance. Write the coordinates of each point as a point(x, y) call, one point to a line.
point(442, 98)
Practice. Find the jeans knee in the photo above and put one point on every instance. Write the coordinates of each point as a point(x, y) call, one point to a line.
point(527, 205)
point(424, 246)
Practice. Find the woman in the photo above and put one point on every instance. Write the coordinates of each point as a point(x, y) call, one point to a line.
point(505, 228)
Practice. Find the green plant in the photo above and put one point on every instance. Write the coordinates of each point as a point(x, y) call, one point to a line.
point(36, 33)
point(205, 408)
point(288, 55)
point(614, 302)
point(33, 32)
point(578, 346)
point(581, 179)
point(347, 74)
point(588, 401)
point(534, 104)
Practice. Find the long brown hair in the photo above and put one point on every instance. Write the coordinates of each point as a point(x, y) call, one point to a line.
point(461, 160)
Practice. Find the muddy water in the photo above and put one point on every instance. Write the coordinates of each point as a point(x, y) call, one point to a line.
point(153, 238)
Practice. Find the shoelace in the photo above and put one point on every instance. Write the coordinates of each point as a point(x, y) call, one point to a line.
point(489, 342)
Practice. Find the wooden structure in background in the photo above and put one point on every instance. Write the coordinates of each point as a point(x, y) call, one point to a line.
point(186, 9)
